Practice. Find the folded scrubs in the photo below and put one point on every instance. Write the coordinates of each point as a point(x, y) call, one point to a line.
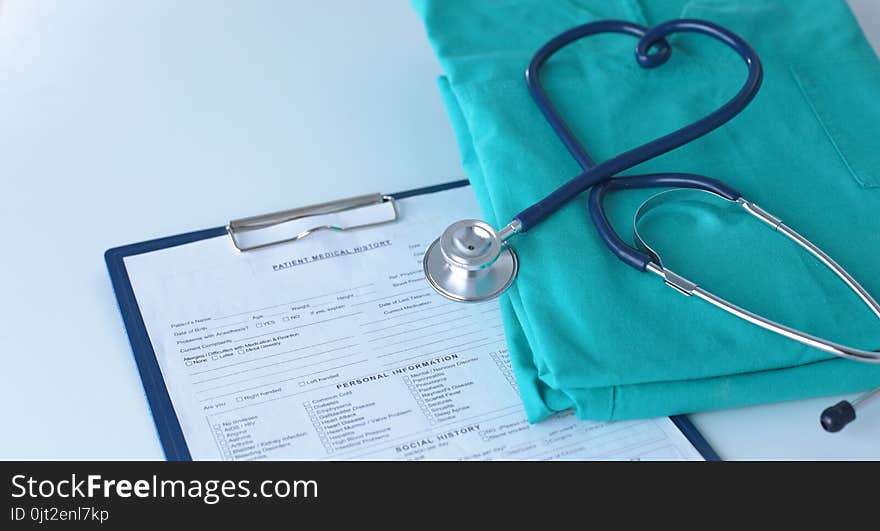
point(587, 331)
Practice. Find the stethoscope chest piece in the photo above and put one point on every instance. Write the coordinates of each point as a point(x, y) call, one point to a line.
point(470, 263)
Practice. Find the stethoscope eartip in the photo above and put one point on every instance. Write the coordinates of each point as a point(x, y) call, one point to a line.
point(836, 417)
point(469, 262)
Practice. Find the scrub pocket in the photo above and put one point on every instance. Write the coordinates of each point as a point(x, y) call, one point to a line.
point(847, 107)
point(840, 91)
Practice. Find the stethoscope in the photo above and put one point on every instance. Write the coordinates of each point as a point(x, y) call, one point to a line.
point(472, 262)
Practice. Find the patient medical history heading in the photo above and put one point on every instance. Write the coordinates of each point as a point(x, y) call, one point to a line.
point(330, 254)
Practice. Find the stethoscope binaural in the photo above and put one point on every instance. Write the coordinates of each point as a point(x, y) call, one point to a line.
point(471, 261)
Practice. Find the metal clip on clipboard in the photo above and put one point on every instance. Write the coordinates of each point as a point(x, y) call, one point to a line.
point(358, 212)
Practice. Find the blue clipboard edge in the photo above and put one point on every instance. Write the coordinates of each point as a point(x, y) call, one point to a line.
point(167, 425)
point(686, 427)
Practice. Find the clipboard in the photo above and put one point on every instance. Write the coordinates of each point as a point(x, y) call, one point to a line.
point(167, 425)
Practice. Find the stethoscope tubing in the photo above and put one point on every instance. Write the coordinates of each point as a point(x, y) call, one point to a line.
point(648, 38)
point(625, 252)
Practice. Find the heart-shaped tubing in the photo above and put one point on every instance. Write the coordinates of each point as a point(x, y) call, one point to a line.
point(649, 39)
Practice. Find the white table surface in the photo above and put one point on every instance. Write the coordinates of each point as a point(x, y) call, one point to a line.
point(122, 121)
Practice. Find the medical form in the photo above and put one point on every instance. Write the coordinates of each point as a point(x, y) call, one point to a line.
point(335, 347)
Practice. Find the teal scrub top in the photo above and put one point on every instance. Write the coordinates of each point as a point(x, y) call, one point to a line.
point(586, 331)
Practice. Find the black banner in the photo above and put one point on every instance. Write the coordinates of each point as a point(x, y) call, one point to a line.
point(123, 495)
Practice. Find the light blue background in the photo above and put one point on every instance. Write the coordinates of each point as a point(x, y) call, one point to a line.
point(127, 120)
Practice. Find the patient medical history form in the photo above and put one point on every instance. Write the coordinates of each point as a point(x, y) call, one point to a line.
point(335, 347)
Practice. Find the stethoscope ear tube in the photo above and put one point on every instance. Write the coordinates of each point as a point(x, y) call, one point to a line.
point(643, 257)
point(689, 287)
point(832, 419)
